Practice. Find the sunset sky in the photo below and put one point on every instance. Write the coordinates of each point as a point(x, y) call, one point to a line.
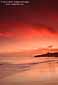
point(31, 26)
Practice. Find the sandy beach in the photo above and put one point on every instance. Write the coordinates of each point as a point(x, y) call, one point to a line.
point(29, 71)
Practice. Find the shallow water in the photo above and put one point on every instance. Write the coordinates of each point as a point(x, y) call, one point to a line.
point(29, 71)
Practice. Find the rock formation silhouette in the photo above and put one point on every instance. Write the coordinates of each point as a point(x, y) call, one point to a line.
point(48, 55)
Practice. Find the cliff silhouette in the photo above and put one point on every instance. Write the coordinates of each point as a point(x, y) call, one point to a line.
point(48, 55)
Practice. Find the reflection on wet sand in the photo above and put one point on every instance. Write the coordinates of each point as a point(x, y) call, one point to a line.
point(41, 71)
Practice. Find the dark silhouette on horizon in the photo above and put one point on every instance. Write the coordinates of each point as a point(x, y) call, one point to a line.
point(48, 55)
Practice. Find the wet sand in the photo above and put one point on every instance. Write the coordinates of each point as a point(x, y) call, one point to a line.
point(33, 71)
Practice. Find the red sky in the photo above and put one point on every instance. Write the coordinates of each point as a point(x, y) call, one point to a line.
point(34, 38)
point(30, 26)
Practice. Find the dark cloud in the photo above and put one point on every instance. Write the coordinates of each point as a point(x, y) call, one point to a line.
point(42, 26)
point(37, 12)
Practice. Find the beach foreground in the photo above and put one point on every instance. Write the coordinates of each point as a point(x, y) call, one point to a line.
point(33, 71)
